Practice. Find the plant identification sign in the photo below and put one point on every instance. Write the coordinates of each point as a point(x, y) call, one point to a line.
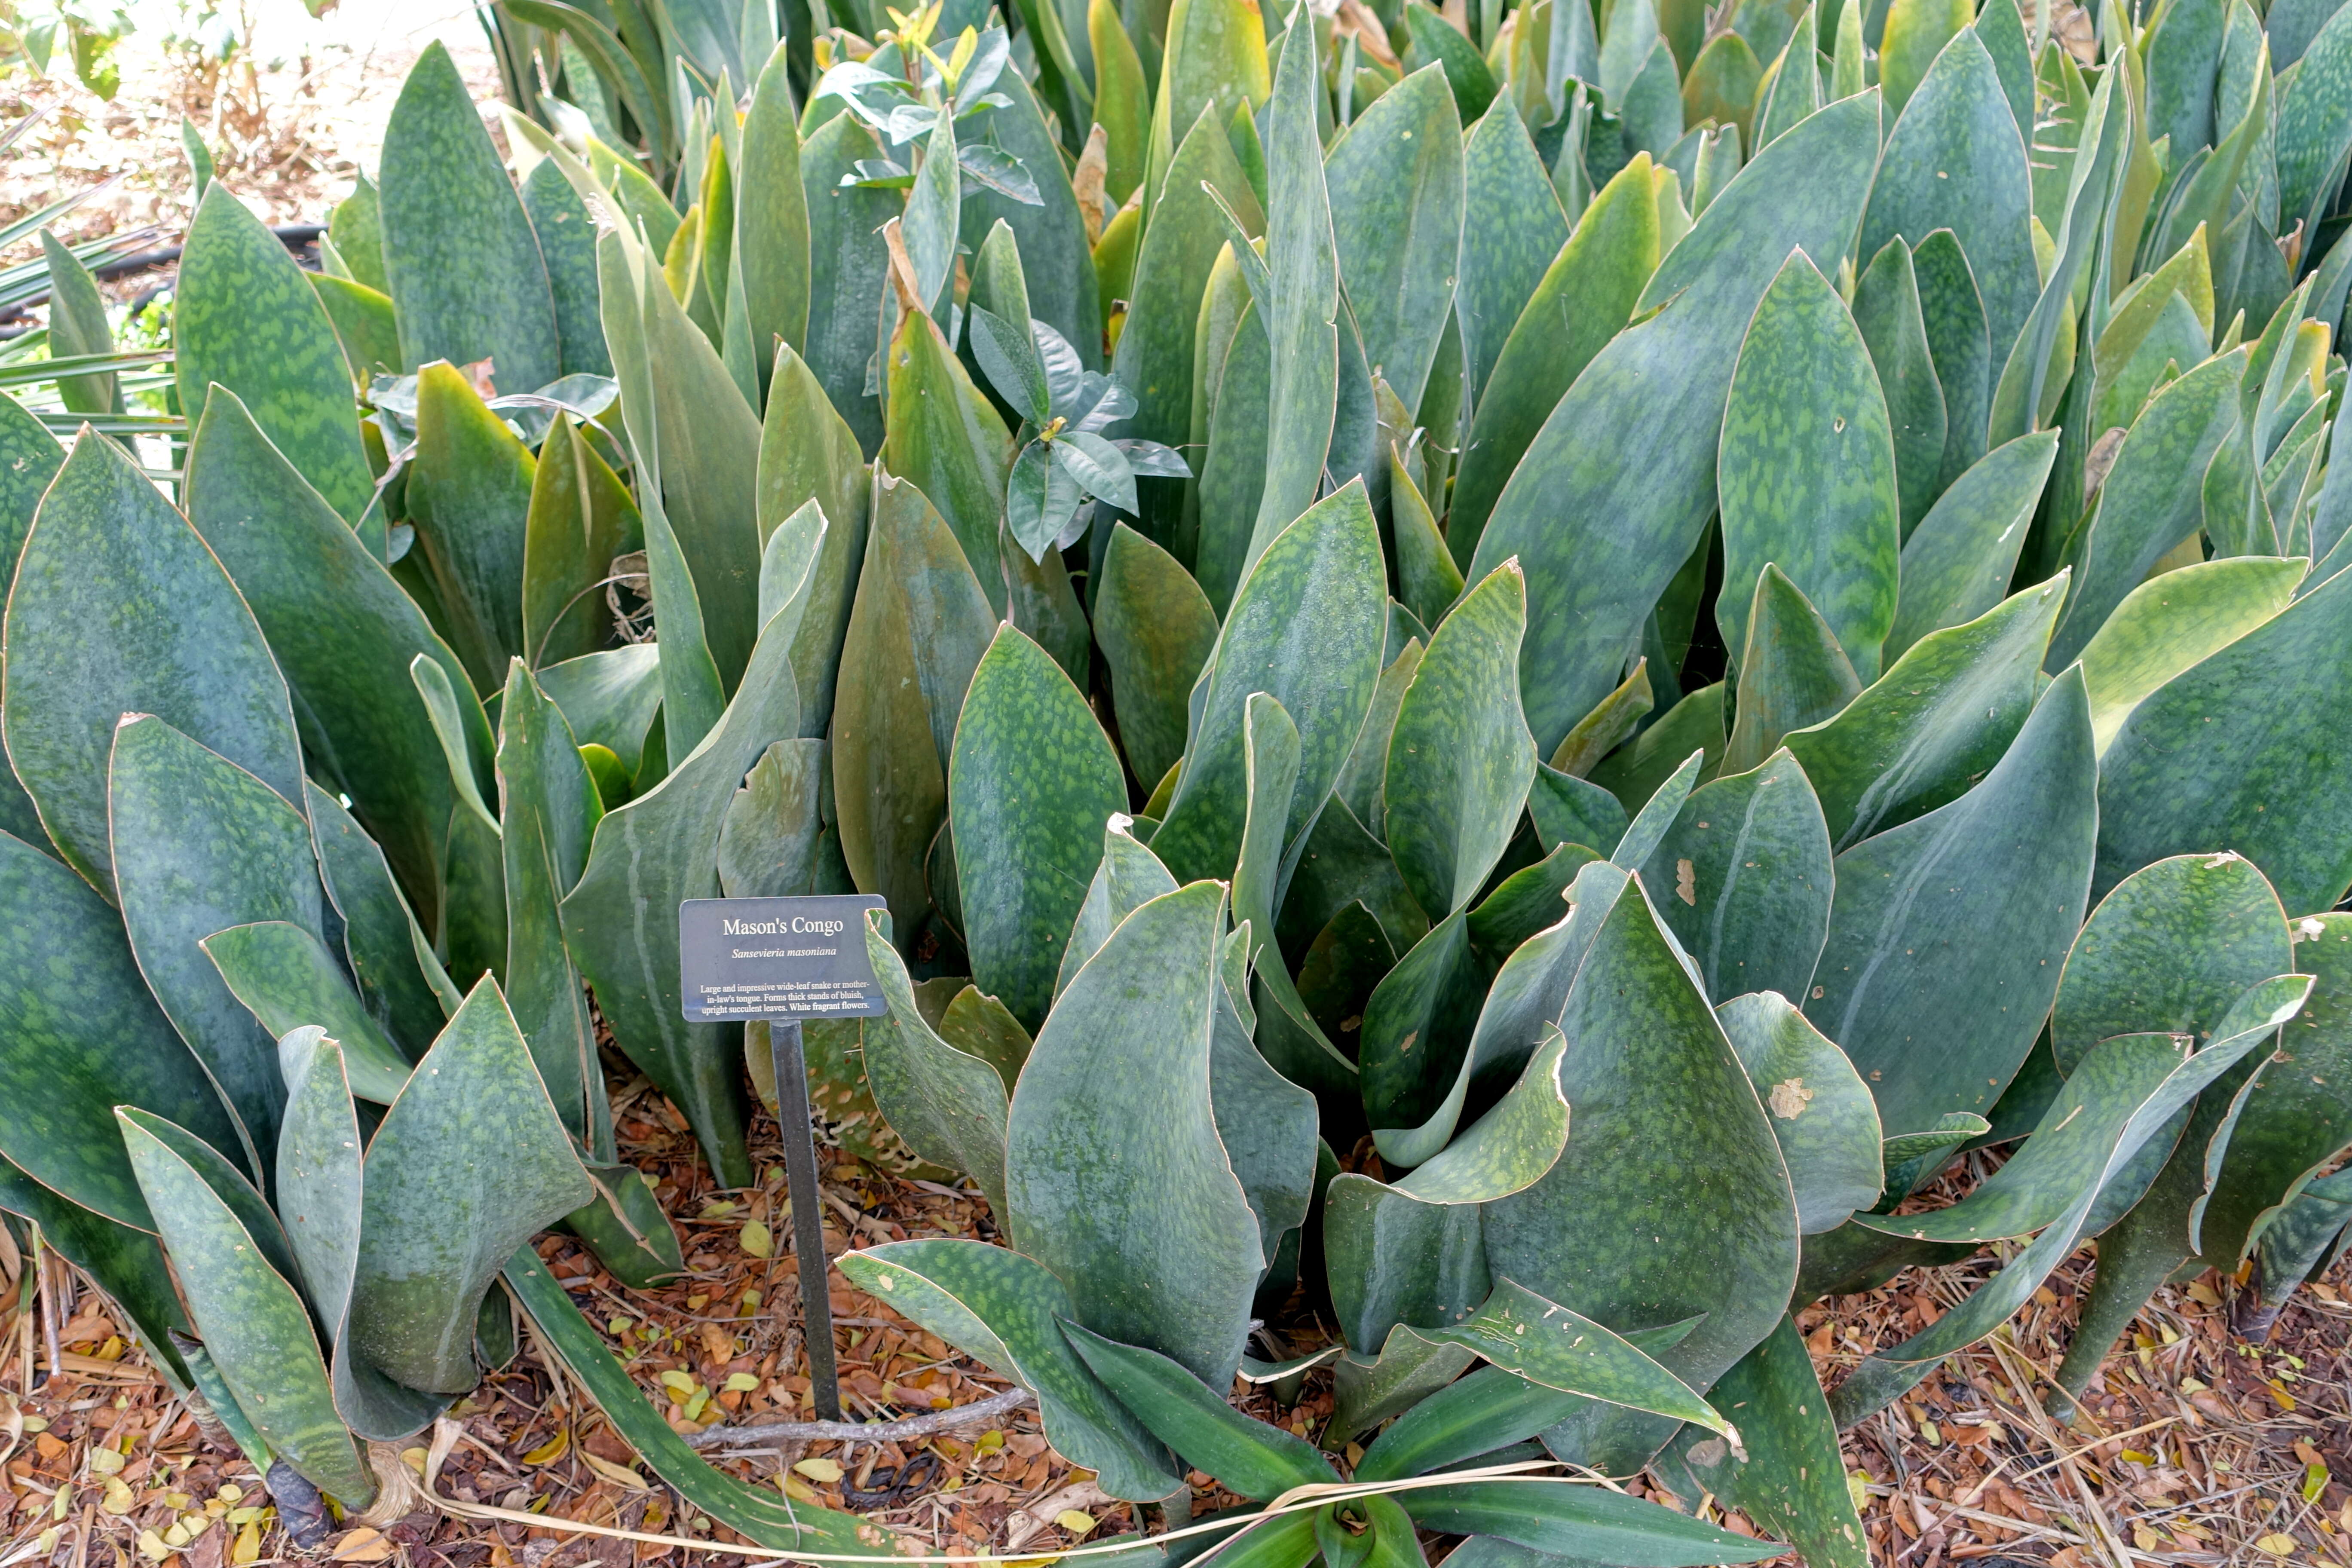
point(777, 958)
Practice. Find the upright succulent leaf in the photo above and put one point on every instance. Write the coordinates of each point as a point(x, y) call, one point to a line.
point(470, 493)
point(244, 318)
point(458, 252)
point(1806, 475)
point(107, 551)
point(470, 1162)
point(1460, 759)
point(1030, 781)
point(1935, 1011)
point(1396, 190)
point(1958, 563)
point(1822, 1111)
point(1515, 235)
point(1116, 1178)
point(1744, 880)
point(1157, 631)
point(946, 1103)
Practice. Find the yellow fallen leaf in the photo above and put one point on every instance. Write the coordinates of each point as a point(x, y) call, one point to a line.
point(1074, 1521)
point(105, 1462)
point(231, 1493)
point(247, 1548)
point(798, 1489)
point(740, 1383)
point(757, 1241)
point(822, 1471)
point(361, 1545)
point(678, 1382)
point(2278, 1545)
point(152, 1546)
point(547, 1453)
point(619, 1475)
point(120, 1499)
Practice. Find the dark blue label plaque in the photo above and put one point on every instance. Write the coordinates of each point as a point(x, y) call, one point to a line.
point(777, 958)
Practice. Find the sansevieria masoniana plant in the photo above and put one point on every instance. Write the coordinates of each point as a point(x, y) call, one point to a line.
point(1505, 675)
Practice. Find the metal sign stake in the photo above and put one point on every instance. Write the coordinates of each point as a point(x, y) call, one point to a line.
point(782, 960)
point(808, 1212)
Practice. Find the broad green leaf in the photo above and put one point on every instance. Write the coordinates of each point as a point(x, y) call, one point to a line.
point(1303, 384)
point(469, 495)
point(1266, 1120)
point(1490, 1409)
point(581, 516)
point(548, 815)
point(1396, 190)
point(1127, 877)
point(1408, 1370)
point(1807, 470)
point(1233, 475)
point(1618, 487)
point(1252, 1459)
point(919, 627)
point(77, 326)
point(346, 635)
point(1956, 564)
point(1460, 758)
point(620, 921)
point(252, 1320)
point(2315, 124)
point(1793, 673)
point(1293, 1041)
point(1031, 781)
point(1566, 1518)
point(2232, 733)
point(1692, 727)
point(356, 227)
point(85, 1036)
point(1506, 250)
point(1613, 721)
point(1940, 963)
point(1595, 1234)
point(2172, 622)
point(2288, 1114)
point(1416, 1023)
point(1792, 1478)
point(944, 436)
point(1935, 721)
point(1748, 933)
point(1306, 626)
point(698, 440)
point(1886, 310)
point(289, 980)
point(389, 957)
point(107, 551)
point(2168, 950)
point(1000, 1307)
point(201, 844)
point(470, 1162)
point(1959, 339)
point(1722, 84)
point(1915, 33)
point(771, 235)
point(1584, 297)
point(1821, 1109)
point(1658, 815)
point(2118, 1099)
point(808, 453)
point(1426, 575)
point(464, 268)
point(1433, 40)
point(1515, 1330)
point(1215, 59)
point(612, 699)
point(1157, 631)
point(1955, 161)
point(2144, 507)
point(1122, 101)
point(773, 843)
point(244, 318)
point(1791, 93)
point(1395, 1262)
point(1363, 778)
point(848, 270)
point(947, 1103)
point(1115, 1176)
point(1154, 356)
point(567, 246)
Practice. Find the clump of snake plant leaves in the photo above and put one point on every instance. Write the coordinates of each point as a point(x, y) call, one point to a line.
point(1647, 624)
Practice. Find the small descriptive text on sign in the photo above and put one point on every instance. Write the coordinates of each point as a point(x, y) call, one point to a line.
point(777, 958)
